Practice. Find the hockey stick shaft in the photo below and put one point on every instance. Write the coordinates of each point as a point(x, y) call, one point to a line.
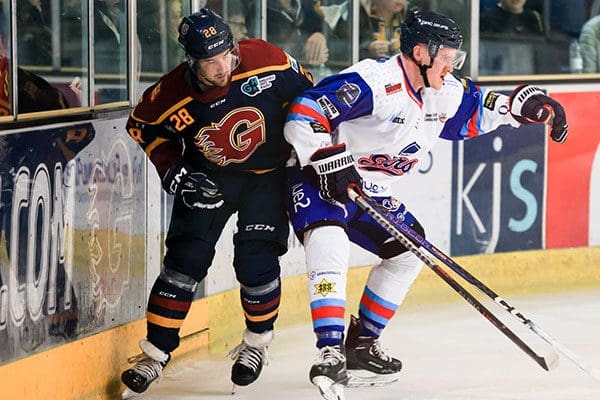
point(380, 217)
point(440, 255)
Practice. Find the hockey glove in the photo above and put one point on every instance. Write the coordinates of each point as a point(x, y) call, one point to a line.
point(529, 104)
point(193, 188)
point(335, 169)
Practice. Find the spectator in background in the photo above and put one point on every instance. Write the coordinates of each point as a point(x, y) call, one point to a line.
point(174, 51)
point(590, 45)
point(33, 34)
point(296, 26)
point(107, 37)
point(237, 21)
point(380, 22)
point(513, 18)
point(4, 65)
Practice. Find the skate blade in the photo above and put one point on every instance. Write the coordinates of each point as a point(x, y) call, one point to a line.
point(128, 394)
point(329, 390)
point(361, 378)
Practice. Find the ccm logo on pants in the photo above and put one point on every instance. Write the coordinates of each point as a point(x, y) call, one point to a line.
point(260, 227)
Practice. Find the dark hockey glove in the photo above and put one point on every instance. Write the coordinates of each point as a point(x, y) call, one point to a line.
point(529, 104)
point(193, 188)
point(335, 169)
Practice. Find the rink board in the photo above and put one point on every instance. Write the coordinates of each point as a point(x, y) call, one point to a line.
point(83, 216)
point(90, 368)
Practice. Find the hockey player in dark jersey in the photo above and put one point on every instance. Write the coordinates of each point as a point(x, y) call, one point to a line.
point(213, 128)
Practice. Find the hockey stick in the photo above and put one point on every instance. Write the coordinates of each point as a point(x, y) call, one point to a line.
point(548, 362)
point(407, 232)
point(437, 253)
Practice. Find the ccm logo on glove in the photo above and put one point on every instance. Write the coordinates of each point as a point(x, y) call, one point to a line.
point(193, 188)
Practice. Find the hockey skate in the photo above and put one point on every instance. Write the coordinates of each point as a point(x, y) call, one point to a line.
point(329, 372)
point(249, 356)
point(367, 363)
point(148, 368)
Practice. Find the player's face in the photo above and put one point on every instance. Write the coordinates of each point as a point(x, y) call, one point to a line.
point(216, 71)
point(442, 66)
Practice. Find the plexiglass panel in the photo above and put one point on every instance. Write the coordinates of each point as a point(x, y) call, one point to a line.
point(110, 51)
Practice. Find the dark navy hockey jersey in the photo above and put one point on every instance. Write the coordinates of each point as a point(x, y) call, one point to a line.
point(237, 127)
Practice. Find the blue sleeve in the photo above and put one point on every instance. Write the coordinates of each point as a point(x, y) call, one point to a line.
point(464, 124)
point(335, 99)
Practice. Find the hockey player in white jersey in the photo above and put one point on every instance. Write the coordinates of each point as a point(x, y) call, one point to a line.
point(369, 125)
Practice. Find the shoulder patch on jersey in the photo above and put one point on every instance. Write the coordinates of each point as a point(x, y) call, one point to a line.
point(294, 64)
point(348, 93)
point(490, 100)
point(318, 127)
point(328, 108)
point(466, 85)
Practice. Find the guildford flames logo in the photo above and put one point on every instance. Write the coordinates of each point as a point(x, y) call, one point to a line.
point(234, 138)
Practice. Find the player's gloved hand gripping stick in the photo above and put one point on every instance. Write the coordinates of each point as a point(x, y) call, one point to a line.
point(335, 168)
point(407, 237)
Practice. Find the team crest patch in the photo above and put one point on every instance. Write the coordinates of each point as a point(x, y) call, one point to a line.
point(387, 164)
point(324, 288)
point(393, 88)
point(255, 85)
point(348, 93)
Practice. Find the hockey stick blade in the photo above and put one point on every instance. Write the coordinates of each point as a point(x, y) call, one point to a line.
point(363, 201)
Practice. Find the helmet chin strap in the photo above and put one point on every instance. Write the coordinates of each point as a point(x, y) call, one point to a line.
point(423, 70)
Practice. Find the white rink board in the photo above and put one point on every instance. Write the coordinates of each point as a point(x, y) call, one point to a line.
point(450, 352)
point(427, 195)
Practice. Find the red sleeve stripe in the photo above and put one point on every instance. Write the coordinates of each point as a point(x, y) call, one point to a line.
point(297, 111)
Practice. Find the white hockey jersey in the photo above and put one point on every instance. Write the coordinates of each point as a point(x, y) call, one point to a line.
point(384, 122)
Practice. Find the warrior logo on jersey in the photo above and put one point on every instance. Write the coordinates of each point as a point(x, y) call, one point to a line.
point(234, 138)
point(386, 164)
point(255, 85)
point(348, 93)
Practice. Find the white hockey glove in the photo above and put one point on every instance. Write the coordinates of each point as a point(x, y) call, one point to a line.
point(529, 104)
point(336, 171)
point(193, 188)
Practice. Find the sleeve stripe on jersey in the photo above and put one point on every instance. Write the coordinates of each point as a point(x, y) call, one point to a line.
point(474, 125)
point(158, 141)
point(303, 109)
point(257, 71)
point(165, 114)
